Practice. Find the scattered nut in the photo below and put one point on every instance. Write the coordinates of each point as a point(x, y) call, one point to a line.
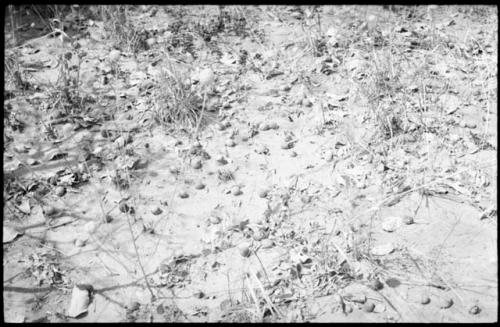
point(286, 145)
point(425, 299)
point(183, 195)
point(408, 220)
point(474, 310)
point(446, 303)
point(214, 220)
point(60, 191)
point(221, 160)
point(49, 210)
point(156, 211)
point(79, 243)
point(196, 164)
point(263, 193)
point(267, 243)
point(236, 190)
point(199, 186)
point(244, 249)
point(368, 307)
point(123, 207)
point(376, 284)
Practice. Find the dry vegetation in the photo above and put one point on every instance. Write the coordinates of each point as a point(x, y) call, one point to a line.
point(250, 164)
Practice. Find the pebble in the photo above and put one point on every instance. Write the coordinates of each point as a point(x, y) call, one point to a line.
point(183, 195)
point(265, 127)
point(221, 127)
point(377, 284)
point(79, 243)
point(60, 191)
point(230, 143)
point(262, 149)
point(263, 193)
point(221, 160)
point(470, 125)
point(408, 220)
point(214, 220)
point(425, 300)
point(114, 55)
point(236, 190)
point(199, 186)
point(274, 125)
point(197, 164)
point(156, 211)
point(174, 170)
point(266, 244)
point(49, 210)
point(293, 154)
point(244, 249)
point(368, 307)
point(390, 224)
point(445, 303)
point(286, 145)
point(328, 156)
point(474, 310)
point(123, 207)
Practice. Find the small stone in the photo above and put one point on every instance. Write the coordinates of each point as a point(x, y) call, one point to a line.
point(156, 211)
point(383, 249)
point(199, 186)
point(329, 156)
point(425, 299)
point(259, 235)
point(199, 294)
point(114, 55)
point(123, 207)
point(286, 145)
point(390, 224)
point(196, 164)
point(446, 303)
point(60, 191)
point(306, 199)
point(274, 125)
point(306, 102)
point(244, 249)
point(214, 220)
point(470, 125)
point(236, 190)
point(221, 160)
point(265, 127)
point(368, 307)
point(79, 243)
point(408, 220)
point(376, 284)
point(151, 41)
point(462, 124)
point(262, 149)
point(230, 142)
point(183, 195)
point(263, 193)
point(108, 219)
point(266, 244)
point(174, 170)
point(49, 210)
point(474, 310)
point(221, 127)
point(285, 88)
point(293, 154)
